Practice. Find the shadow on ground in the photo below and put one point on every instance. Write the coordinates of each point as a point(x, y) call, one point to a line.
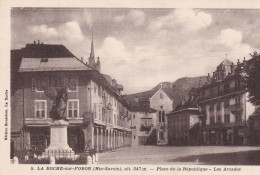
point(236, 158)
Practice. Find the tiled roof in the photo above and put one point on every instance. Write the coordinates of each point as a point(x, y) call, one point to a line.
point(45, 57)
point(176, 91)
point(45, 51)
point(226, 62)
point(191, 102)
point(51, 64)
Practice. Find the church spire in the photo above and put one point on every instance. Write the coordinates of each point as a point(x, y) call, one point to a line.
point(92, 54)
point(91, 59)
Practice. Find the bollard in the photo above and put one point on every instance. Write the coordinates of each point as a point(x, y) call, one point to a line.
point(96, 157)
point(52, 160)
point(89, 160)
point(93, 159)
point(26, 157)
point(16, 161)
point(197, 161)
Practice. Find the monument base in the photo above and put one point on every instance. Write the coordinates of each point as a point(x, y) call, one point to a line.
point(59, 147)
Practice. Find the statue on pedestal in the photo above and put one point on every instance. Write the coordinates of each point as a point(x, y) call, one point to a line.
point(59, 124)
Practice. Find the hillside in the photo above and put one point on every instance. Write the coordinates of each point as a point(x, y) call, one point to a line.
point(176, 91)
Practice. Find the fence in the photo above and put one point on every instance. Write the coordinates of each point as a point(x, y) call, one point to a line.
point(61, 157)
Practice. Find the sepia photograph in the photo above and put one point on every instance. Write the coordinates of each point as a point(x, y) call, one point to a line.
point(140, 86)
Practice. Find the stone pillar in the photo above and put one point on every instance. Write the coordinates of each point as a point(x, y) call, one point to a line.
point(97, 139)
point(92, 136)
point(122, 139)
point(119, 139)
point(221, 137)
point(208, 139)
point(117, 142)
point(233, 135)
point(101, 138)
point(108, 138)
point(114, 137)
point(111, 139)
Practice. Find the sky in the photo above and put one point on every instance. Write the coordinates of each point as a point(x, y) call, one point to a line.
point(143, 47)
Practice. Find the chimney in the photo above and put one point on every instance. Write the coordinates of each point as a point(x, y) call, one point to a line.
point(34, 42)
point(232, 68)
point(244, 61)
point(82, 59)
point(98, 66)
point(38, 41)
point(238, 61)
point(200, 82)
point(208, 77)
point(42, 42)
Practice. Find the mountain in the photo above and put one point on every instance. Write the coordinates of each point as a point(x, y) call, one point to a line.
point(176, 91)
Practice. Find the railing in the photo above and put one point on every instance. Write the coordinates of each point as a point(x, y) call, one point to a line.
point(145, 128)
point(222, 93)
point(235, 107)
point(62, 157)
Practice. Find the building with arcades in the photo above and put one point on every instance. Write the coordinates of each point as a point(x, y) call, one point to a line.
point(98, 116)
point(224, 108)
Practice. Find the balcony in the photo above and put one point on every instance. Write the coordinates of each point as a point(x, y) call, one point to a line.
point(235, 108)
point(145, 128)
point(47, 121)
point(221, 93)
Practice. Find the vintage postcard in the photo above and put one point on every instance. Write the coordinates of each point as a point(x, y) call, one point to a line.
point(135, 89)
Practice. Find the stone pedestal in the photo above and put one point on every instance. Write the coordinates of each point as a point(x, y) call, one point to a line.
point(59, 147)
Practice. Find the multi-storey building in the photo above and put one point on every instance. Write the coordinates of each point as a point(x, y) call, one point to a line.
point(98, 116)
point(224, 106)
point(148, 112)
point(183, 121)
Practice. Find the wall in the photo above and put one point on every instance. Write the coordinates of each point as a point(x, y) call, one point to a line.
point(156, 102)
point(30, 96)
point(136, 122)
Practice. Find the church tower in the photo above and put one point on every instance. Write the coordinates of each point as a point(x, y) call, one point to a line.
point(91, 59)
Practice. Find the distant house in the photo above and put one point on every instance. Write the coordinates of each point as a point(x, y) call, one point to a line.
point(183, 121)
point(148, 111)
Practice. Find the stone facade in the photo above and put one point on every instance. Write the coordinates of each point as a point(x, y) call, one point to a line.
point(183, 122)
point(224, 106)
point(148, 111)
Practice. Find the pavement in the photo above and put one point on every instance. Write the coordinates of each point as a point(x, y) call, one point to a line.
point(205, 155)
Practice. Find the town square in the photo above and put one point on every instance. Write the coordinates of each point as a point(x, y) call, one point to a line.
point(135, 86)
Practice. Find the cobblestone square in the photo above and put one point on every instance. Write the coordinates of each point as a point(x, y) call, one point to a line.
point(205, 155)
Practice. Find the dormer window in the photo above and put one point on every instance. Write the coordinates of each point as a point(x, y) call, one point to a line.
point(44, 60)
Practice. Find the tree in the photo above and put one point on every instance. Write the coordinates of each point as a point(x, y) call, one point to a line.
point(253, 79)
